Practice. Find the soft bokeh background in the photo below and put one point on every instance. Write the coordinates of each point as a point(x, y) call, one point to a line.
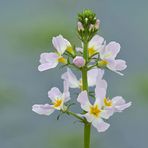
point(26, 30)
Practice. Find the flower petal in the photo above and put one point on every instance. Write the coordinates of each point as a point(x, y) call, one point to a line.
point(117, 65)
point(41, 109)
point(106, 113)
point(48, 61)
point(119, 104)
point(60, 44)
point(96, 42)
point(54, 93)
point(66, 93)
point(100, 125)
point(89, 117)
point(100, 91)
point(92, 76)
point(71, 78)
point(83, 100)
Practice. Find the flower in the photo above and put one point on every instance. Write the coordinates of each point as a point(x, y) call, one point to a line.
point(94, 112)
point(79, 61)
point(108, 55)
point(75, 83)
point(51, 60)
point(58, 99)
point(102, 107)
point(116, 104)
point(95, 45)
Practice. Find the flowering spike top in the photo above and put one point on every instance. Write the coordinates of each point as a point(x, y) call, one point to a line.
point(91, 60)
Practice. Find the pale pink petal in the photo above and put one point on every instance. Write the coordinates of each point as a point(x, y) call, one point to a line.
point(100, 125)
point(106, 113)
point(60, 44)
point(96, 42)
point(41, 109)
point(83, 100)
point(112, 48)
point(71, 78)
point(92, 77)
point(66, 93)
point(123, 107)
point(117, 65)
point(119, 104)
point(48, 61)
point(89, 117)
point(54, 93)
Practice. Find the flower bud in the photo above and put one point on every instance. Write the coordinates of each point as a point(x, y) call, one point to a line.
point(80, 26)
point(97, 25)
point(79, 61)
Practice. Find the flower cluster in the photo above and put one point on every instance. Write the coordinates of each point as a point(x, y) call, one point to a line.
point(91, 60)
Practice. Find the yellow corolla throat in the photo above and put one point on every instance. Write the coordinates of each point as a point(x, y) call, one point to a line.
point(70, 50)
point(62, 60)
point(91, 51)
point(102, 63)
point(57, 103)
point(107, 102)
point(94, 110)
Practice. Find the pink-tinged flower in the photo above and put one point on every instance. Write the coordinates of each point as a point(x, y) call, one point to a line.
point(116, 104)
point(58, 99)
point(79, 61)
point(108, 55)
point(73, 82)
point(51, 60)
point(94, 112)
point(95, 45)
point(80, 26)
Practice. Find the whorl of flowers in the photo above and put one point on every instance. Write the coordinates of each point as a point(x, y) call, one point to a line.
point(91, 60)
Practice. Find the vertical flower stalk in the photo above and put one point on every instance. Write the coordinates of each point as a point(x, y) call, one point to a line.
point(88, 21)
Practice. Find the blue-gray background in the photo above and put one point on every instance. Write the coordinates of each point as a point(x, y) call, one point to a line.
point(26, 29)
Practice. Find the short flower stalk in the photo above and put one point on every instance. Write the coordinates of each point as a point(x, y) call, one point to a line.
point(91, 60)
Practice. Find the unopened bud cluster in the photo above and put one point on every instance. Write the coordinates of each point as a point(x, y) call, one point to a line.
point(87, 24)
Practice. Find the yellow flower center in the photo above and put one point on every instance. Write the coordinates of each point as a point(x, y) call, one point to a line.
point(94, 110)
point(102, 63)
point(91, 51)
point(57, 103)
point(107, 102)
point(70, 50)
point(62, 60)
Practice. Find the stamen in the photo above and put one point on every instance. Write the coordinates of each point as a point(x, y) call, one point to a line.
point(107, 102)
point(94, 110)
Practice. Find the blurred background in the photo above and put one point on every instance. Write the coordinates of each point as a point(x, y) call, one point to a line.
point(26, 30)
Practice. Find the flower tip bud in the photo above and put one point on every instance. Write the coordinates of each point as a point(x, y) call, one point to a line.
point(80, 26)
point(79, 61)
point(97, 25)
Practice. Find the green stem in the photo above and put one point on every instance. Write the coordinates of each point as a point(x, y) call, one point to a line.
point(75, 115)
point(87, 125)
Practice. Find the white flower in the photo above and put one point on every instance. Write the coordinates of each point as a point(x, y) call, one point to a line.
point(116, 104)
point(58, 99)
point(108, 55)
point(51, 60)
point(94, 113)
point(77, 83)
